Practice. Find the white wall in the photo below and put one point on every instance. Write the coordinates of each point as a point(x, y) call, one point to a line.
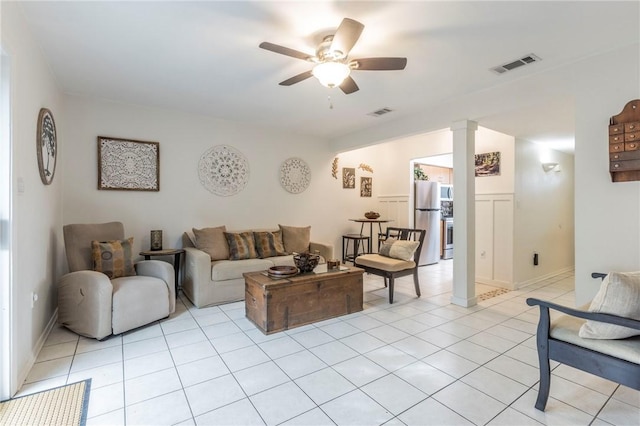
point(392, 172)
point(607, 214)
point(488, 140)
point(37, 212)
point(182, 202)
point(544, 213)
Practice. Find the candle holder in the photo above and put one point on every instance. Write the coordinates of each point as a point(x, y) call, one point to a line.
point(156, 240)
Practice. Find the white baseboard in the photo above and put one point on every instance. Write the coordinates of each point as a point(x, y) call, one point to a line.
point(535, 280)
point(22, 375)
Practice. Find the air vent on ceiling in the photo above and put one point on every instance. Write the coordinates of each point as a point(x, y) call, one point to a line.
point(380, 112)
point(526, 60)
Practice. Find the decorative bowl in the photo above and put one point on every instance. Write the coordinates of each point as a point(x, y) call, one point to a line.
point(282, 271)
point(306, 261)
point(372, 215)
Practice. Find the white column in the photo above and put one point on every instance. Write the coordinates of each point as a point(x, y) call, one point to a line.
point(464, 224)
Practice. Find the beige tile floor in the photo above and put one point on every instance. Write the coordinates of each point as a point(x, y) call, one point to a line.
point(416, 362)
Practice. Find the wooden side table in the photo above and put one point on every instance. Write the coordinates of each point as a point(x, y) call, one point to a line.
point(177, 253)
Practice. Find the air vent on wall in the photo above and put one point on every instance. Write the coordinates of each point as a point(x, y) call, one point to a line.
point(380, 112)
point(526, 60)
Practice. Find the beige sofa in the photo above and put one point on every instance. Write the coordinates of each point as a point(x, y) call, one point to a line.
point(211, 279)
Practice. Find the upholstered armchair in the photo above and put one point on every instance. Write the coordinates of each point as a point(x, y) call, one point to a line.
point(98, 304)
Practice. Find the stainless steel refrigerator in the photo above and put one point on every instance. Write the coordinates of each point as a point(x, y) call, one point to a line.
point(427, 217)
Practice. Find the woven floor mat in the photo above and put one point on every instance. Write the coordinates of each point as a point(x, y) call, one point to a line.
point(65, 405)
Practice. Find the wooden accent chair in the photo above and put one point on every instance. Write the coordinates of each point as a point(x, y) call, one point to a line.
point(613, 359)
point(390, 268)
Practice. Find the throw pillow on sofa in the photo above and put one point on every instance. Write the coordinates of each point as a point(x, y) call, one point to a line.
point(241, 245)
point(113, 258)
point(296, 239)
point(269, 244)
point(213, 242)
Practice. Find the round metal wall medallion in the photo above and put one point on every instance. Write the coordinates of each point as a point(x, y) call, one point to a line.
point(295, 175)
point(223, 170)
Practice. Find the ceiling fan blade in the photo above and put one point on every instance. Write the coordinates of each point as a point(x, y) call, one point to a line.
point(349, 86)
point(285, 51)
point(346, 36)
point(379, 64)
point(296, 79)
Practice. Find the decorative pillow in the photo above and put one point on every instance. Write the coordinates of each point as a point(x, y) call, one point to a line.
point(269, 244)
point(296, 240)
point(241, 245)
point(113, 258)
point(213, 242)
point(619, 294)
point(398, 249)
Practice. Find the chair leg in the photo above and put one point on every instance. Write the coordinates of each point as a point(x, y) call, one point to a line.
point(391, 289)
point(542, 337)
point(416, 282)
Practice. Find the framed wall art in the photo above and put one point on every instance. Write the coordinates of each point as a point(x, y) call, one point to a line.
point(126, 164)
point(349, 177)
point(488, 164)
point(46, 145)
point(366, 186)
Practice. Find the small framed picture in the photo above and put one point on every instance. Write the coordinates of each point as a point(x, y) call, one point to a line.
point(126, 164)
point(349, 177)
point(366, 184)
point(488, 164)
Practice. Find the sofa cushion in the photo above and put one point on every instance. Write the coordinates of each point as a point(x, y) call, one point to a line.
point(384, 263)
point(241, 245)
point(212, 241)
point(296, 239)
point(269, 244)
point(222, 270)
point(399, 249)
point(113, 258)
point(619, 295)
point(566, 328)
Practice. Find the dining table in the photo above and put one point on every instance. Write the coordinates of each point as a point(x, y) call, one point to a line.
point(363, 221)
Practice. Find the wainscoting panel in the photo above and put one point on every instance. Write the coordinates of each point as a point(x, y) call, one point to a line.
point(395, 208)
point(494, 239)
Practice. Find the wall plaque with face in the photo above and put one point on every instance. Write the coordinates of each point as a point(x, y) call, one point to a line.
point(47, 145)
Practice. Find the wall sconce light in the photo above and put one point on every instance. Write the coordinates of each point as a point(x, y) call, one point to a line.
point(547, 167)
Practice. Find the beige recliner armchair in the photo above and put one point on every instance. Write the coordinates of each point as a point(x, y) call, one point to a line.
point(93, 305)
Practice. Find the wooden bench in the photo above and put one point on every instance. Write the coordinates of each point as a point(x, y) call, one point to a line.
point(617, 360)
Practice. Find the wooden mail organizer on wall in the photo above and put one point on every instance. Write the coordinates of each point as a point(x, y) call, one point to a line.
point(624, 143)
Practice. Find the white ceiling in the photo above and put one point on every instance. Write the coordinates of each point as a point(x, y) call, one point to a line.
point(203, 57)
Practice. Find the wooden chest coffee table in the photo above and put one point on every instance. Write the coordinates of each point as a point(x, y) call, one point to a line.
point(284, 303)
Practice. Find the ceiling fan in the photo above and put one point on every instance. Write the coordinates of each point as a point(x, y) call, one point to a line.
point(333, 66)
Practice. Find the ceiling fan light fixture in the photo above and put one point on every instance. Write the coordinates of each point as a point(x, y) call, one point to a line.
point(331, 74)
